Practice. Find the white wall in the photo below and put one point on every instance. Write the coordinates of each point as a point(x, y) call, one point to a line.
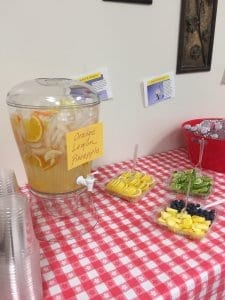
point(48, 38)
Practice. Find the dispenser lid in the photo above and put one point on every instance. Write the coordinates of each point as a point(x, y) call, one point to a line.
point(52, 92)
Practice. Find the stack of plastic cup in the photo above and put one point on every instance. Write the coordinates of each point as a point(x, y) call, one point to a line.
point(8, 182)
point(20, 276)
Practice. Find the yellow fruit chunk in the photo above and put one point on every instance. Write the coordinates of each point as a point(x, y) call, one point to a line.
point(183, 223)
point(198, 219)
point(144, 186)
point(131, 192)
point(186, 223)
point(126, 175)
point(116, 185)
point(33, 129)
point(162, 221)
point(148, 179)
point(130, 184)
point(171, 222)
point(165, 215)
point(172, 211)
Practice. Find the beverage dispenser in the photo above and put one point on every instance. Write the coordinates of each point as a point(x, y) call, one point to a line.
point(46, 115)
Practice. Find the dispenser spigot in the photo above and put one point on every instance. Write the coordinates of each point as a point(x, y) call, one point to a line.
point(88, 181)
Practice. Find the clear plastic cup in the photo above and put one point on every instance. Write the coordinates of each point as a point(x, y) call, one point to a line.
point(20, 276)
point(8, 182)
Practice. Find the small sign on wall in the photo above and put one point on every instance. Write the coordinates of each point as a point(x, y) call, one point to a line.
point(159, 88)
point(99, 80)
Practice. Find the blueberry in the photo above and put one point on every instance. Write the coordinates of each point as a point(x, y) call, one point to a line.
point(177, 204)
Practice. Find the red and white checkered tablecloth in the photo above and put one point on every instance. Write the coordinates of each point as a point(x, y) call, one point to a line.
point(127, 255)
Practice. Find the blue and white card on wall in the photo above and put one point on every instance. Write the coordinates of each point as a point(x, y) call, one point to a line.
point(159, 88)
point(99, 80)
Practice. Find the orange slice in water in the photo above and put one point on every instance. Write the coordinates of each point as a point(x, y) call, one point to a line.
point(45, 113)
point(33, 160)
point(51, 158)
point(33, 129)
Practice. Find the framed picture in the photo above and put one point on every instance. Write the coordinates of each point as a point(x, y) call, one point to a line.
point(132, 1)
point(196, 35)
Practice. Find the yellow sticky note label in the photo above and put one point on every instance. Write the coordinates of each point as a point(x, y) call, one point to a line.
point(84, 144)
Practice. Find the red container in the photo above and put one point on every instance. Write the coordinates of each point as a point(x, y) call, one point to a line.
point(214, 151)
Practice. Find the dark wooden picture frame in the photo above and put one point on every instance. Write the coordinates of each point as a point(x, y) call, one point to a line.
point(132, 1)
point(196, 35)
